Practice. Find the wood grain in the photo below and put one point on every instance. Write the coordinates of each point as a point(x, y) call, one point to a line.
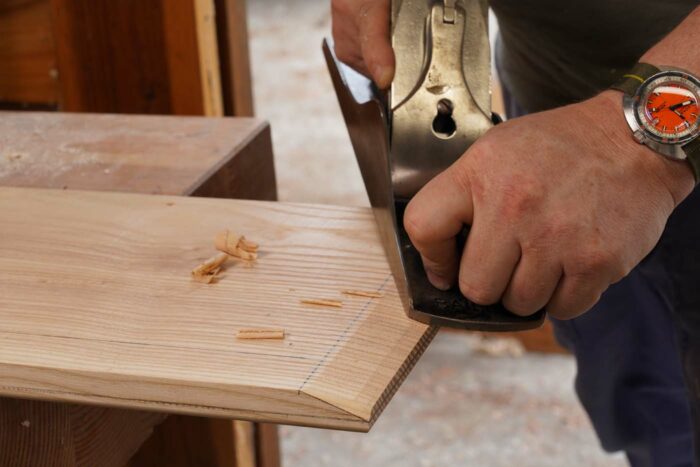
point(244, 435)
point(146, 57)
point(79, 435)
point(234, 56)
point(208, 51)
point(97, 306)
point(111, 56)
point(183, 441)
point(267, 445)
point(140, 154)
point(27, 53)
point(154, 154)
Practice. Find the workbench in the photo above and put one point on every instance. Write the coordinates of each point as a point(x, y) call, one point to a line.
point(103, 329)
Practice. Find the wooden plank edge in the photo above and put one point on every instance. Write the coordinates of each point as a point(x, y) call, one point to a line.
point(403, 373)
point(391, 388)
point(30, 386)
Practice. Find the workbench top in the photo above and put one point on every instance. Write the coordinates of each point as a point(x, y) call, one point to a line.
point(129, 153)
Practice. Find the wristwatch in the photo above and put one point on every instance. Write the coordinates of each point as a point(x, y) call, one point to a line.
point(661, 108)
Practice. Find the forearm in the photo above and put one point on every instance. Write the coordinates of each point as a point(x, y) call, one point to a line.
point(679, 49)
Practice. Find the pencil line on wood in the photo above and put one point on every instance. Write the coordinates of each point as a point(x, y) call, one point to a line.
point(341, 337)
point(363, 293)
point(323, 302)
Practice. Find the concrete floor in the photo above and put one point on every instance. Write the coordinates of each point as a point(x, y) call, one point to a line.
point(458, 407)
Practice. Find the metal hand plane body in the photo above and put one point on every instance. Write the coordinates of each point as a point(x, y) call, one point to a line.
point(438, 106)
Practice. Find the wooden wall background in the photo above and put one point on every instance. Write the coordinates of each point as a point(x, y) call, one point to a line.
point(183, 57)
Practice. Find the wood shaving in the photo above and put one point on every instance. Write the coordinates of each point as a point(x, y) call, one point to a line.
point(333, 303)
point(362, 293)
point(259, 333)
point(208, 270)
point(236, 245)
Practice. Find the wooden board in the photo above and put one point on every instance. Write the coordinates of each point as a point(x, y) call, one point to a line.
point(97, 306)
point(234, 56)
point(228, 158)
point(147, 57)
point(141, 154)
point(27, 53)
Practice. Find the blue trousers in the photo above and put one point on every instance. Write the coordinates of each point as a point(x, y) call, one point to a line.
point(638, 350)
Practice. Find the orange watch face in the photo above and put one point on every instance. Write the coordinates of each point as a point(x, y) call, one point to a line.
point(669, 108)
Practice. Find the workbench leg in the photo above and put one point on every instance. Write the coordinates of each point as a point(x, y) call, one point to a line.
point(267, 445)
point(41, 433)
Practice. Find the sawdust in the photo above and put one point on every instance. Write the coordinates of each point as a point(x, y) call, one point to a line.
point(31, 161)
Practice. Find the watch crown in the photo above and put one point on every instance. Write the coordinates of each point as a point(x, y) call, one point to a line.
point(639, 136)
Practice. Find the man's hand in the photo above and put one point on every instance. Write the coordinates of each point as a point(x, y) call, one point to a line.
point(562, 204)
point(361, 36)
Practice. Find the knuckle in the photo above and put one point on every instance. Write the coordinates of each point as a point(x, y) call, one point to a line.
point(347, 54)
point(417, 226)
point(561, 313)
point(566, 311)
point(522, 301)
point(594, 262)
point(460, 176)
point(481, 294)
point(556, 228)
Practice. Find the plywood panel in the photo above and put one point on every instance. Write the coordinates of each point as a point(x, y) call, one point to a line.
point(97, 306)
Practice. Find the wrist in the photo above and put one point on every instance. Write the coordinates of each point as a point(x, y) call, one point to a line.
point(676, 176)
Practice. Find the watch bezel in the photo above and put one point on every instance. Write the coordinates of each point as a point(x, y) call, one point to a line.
point(670, 147)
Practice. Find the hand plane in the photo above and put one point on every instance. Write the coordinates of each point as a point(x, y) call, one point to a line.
point(438, 105)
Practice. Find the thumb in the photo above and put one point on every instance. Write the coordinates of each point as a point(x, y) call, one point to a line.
point(434, 218)
point(373, 25)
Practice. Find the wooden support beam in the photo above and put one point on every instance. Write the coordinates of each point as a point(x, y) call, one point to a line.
point(234, 55)
point(97, 306)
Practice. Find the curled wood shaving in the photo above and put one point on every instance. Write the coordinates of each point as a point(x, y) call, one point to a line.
point(208, 270)
point(362, 293)
point(236, 245)
point(260, 333)
point(333, 303)
point(247, 245)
